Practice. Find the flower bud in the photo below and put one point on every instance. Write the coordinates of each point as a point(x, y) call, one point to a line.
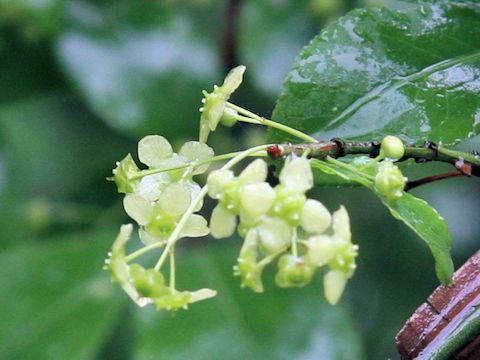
point(149, 283)
point(392, 148)
point(390, 181)
point(293, 271)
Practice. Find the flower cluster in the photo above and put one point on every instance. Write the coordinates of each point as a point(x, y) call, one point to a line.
point(157, 198)
point(157, 201)
point(147, 286)
point(276, 220)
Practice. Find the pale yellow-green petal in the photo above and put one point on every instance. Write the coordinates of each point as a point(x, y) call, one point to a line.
point(321, 249)
point(334, 283)
point(222, 222)
point(232, 81)
point(297, 175)
point(196, 226)
point(138, 208)
point(315, 217)
point(256, 199)
point(175, 199)
point(255, 172)
point(202, 294)
point(151, 186)
point(152, 149)
point(341, 224)
point(274, 234)
point(217, 180)
point(196, 151)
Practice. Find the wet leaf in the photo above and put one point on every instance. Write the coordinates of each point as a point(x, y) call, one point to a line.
point(416, 213)
point(412, 72)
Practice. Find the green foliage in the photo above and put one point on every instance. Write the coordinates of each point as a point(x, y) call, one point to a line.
point(411, 72)
point(71, 66)
point(414, 212)
point(63, 306)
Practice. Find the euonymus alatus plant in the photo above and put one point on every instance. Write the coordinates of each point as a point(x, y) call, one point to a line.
point(280, 225)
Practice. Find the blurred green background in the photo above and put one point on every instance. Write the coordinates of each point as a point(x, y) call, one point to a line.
point(80, 83)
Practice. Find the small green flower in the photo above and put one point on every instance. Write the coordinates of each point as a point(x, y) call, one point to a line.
point(247, 195)
point(122, 174)
point(157, 153)
point(248, 268)
point(293, 271)
point(295, 179)
point(181, 299)
point(159, 219)
point(214, 103)
point(390, 181)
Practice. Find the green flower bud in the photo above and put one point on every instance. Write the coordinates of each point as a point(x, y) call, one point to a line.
point(247, 267)
point(344, 259)
point(390, 181)
point(288, 205)
point(293, 271)
point(392, 148)
point(177, 300)
point(149, 283)
point(123, 172)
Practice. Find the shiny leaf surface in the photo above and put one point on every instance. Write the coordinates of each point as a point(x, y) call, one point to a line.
point(412, 72)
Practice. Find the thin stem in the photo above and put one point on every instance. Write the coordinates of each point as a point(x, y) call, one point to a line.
point(174, 236)
point(294, 242)
point(193, 164)
point(341, 164)
point(268, 259)
point(340, 148)
point(426, 180)
point(172, 270)
point(255, 119)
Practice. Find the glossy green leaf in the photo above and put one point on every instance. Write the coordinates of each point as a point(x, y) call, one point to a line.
point(141, 65)
point(55, 302)
point(419, 216)
point(416, 213)
point(413, 72)
point(238, 324)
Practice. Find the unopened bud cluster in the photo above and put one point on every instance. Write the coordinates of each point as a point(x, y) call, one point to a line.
point(281, 222)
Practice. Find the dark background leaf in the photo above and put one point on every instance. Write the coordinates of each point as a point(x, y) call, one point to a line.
point(64, 306)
